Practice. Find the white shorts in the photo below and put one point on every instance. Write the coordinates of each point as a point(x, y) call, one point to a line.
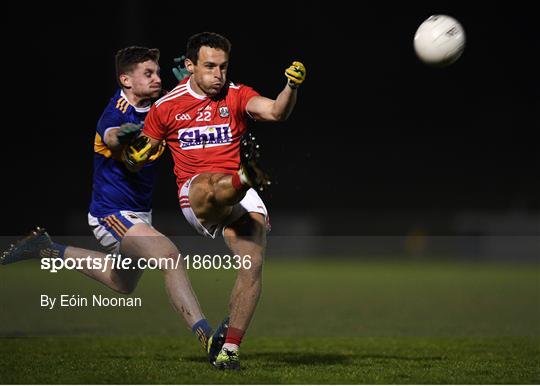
point(109, 230)
point(250, 203)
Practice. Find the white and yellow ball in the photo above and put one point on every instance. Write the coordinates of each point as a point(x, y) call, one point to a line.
point(439, 40)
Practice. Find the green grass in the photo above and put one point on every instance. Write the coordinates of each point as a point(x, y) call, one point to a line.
point(319, 322)
point(273, 361)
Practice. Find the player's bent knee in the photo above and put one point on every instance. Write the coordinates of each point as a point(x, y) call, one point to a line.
point(147, 243)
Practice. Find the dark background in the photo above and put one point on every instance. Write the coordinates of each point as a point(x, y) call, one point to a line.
point(378, 143)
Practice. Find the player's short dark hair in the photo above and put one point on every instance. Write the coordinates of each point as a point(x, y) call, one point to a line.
point(127, 58)
point(208, 39)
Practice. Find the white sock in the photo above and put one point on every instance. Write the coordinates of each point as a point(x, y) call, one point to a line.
point(230, 347)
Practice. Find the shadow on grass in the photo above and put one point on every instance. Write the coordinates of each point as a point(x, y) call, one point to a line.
point(330, 359)
point(298, 358)
point(289, 358)
point(399, 357)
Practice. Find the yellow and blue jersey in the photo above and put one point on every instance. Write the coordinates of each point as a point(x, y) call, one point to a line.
point(114, 187)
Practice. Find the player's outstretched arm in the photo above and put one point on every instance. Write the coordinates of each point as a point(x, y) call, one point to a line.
point(138, 152)
point(266, 109)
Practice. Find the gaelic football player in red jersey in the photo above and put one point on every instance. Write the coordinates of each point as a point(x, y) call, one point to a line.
point(203, 121)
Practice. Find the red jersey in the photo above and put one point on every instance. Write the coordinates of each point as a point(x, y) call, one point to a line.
point(202, 133)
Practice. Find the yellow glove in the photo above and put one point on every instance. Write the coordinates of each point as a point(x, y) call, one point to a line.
point(137, 153)
point(296, 74)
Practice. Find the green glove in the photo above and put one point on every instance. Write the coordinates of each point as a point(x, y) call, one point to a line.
point(180, 72)
point(128, 131)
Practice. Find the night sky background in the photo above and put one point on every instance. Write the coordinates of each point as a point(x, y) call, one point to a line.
point(374, 131)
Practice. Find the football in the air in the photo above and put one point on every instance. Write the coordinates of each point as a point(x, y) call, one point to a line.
point(439, 40)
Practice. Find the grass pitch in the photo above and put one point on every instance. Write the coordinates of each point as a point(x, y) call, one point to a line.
point(319, 322)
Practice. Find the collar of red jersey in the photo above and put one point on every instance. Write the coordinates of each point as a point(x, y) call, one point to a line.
point(193, 93)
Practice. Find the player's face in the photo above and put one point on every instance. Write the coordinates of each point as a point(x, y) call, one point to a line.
point(145, 81)
point(210, 72)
